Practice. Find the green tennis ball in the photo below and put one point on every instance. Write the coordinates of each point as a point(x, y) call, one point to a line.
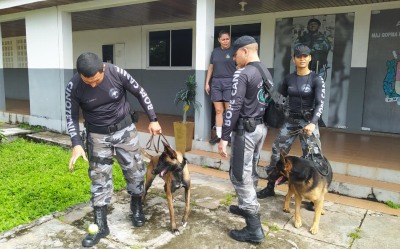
point(93, 229)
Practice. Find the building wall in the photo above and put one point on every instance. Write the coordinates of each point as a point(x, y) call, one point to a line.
point(162, 83)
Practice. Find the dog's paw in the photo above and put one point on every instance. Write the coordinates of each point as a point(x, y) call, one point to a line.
point(314, 229)
point(184, 223)
point(297, 223)
point(176, 232)
point(286, 210)
point(323, 211)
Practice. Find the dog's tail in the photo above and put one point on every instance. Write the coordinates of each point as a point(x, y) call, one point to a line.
point(144, 152)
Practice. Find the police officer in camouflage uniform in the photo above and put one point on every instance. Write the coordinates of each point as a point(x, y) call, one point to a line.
point(319, 45)
point(305, 92)
point(244, 119)
point(99, 90)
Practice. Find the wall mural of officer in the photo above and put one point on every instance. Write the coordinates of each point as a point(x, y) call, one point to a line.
point(319, 42)
point(330, 39)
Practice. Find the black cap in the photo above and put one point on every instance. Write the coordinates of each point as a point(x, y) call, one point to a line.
point(300, 50)
point(243, 41)
point(314, 20)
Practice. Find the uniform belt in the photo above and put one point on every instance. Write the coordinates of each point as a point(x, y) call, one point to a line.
point(295, 115)
point(111, 128)
point(258, 120)
point(301, 115)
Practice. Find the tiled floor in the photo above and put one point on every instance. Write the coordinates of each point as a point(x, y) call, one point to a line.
point(377, 150)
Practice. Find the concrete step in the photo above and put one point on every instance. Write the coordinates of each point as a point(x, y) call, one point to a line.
point(356, 181)
point(13, 132)
point(354, 186)
point(349, 169)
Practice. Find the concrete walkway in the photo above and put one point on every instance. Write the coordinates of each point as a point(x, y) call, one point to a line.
point(343, 226)
point(209, 223)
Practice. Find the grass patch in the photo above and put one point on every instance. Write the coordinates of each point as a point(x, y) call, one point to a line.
point(271, 227)
point(227, 200)
point(35, 181)
point(392, 205)
point(355, 235)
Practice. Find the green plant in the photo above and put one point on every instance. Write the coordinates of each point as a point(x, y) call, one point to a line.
point(227, 200)
point(392, 204)
point(35, 128)
point(2, 136)
point(271, 227)
point(356, 234)
point(187, 96)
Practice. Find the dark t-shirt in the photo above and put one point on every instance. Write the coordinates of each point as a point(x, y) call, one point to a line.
point(223, 63)
point(248, 98)
point(105, 104)
point(305, 93)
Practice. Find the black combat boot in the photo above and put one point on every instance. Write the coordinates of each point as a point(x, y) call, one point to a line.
point(100, 219)
point(253, 232)
point(269, 190)
point(310, 206)
point(235, 209)
point(137, 211)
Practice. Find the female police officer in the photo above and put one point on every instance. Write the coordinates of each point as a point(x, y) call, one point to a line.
point(305, 92)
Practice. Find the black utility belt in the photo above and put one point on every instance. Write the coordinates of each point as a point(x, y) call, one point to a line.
point(306, 115)
point(111, 128)
point(249, 124)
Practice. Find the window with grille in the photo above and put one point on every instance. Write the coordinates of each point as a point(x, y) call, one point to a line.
point(22, 59)
point(8, 55)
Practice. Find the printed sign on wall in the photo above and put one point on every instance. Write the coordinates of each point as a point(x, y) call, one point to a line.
point(382, 90)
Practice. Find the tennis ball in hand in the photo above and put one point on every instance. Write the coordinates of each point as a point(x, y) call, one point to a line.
point(93, 229)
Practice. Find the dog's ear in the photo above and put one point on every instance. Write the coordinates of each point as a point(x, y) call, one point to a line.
point(283, 156)
point(170, 152)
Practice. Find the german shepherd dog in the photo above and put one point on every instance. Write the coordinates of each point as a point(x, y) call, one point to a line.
point(306, 180)
point(172, 167)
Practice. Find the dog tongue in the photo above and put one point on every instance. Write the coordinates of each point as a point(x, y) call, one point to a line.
point(163, 172)
point(278, 181)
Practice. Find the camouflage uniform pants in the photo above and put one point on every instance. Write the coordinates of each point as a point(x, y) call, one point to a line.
point(124, 146)
point(246, 189)
point(285, 140)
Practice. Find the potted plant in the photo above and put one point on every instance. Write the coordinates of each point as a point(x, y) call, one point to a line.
point(184, 130)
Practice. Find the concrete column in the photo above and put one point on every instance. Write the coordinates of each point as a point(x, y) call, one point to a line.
point(2, 89)
point(360, 37)
point(205, 15)
point(50, 65)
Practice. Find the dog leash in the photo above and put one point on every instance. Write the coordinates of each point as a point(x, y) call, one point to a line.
point(151, 142)
point(319, 161)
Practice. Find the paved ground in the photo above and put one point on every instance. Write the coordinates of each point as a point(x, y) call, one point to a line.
point(209, 224)
point(343, 226)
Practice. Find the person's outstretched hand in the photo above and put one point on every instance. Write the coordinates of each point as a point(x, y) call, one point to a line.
point(77, 151)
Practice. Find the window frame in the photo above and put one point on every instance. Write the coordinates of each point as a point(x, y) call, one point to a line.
point(170, 29)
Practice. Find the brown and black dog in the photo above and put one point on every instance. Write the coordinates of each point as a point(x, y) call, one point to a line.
point(306, 180)
point(172, 167)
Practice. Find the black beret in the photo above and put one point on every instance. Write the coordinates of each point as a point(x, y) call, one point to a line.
point(314, 20)
point(243, 41)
